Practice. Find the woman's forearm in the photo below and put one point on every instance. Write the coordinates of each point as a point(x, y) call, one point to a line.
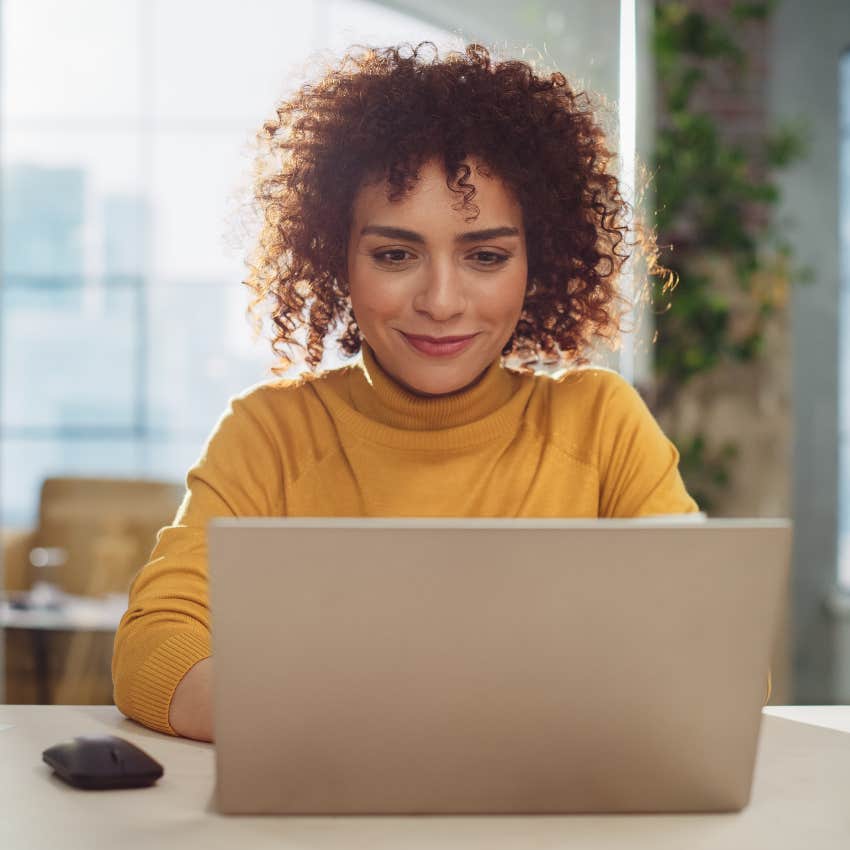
point(190, 713)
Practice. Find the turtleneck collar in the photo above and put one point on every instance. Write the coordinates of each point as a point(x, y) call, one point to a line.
point(379, 397)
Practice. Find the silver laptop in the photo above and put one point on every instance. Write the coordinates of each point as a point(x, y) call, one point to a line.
point(491, 666)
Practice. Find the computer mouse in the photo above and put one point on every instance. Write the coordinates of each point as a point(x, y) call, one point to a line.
point(102, 762)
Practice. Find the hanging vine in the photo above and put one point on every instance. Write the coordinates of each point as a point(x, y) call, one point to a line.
point(714, 201)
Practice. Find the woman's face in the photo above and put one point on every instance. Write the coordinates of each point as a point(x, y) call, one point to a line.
point(437, 297)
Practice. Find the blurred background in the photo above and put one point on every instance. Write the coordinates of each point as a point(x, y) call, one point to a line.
point(126, 134)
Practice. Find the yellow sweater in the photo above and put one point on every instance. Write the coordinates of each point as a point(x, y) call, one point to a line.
point(352, 442)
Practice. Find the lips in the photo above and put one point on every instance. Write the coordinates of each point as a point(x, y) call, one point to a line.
point(440, 340)
point(439, 346)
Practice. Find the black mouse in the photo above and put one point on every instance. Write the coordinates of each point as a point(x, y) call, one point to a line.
point(102, 762)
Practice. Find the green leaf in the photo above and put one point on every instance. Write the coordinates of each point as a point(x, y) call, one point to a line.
point(742, 11)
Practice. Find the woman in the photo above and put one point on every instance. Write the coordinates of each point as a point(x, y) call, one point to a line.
point(440, 215)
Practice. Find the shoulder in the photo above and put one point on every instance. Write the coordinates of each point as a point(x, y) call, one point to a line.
point(591, 384)
point(579, 407)
point(279, 398)
point(276, 423)
point(286, 414)
point(587, 393)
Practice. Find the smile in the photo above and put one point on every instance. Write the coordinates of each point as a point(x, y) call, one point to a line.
point(442, 346)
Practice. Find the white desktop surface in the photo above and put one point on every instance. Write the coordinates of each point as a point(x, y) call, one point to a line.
point(800, 799)
point(75, 614)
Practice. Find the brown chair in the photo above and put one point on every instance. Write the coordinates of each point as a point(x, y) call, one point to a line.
point(106, 527)
point(97, 532)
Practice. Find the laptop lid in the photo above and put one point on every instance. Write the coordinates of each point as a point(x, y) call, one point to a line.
point(491, 666)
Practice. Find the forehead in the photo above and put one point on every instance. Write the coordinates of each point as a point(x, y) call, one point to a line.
point(431, 203)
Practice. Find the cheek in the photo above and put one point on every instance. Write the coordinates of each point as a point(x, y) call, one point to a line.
point(373, 298)
point(507, 304)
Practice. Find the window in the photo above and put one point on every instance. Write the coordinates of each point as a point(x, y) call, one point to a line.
point(121, 322)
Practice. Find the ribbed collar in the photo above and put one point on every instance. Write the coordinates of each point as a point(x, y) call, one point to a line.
point(377, 396)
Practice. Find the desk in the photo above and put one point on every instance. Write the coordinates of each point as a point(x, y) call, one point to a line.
point(69, 613)
point(800, 799)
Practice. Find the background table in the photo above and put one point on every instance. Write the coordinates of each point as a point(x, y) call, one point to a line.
point(800, 799)
point(80, 616)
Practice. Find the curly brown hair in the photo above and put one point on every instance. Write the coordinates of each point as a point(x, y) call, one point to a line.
point(380, 114)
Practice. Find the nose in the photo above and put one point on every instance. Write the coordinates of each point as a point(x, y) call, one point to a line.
point(442, 295)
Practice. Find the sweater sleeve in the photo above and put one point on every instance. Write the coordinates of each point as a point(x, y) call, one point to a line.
point(166, 628)
point(638, 465)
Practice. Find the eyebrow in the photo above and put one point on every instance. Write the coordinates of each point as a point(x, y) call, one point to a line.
point(413, 236)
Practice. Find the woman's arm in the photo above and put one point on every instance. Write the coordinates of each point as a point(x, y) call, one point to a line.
point(190, 714)
point(163, 640)
point(638, 465)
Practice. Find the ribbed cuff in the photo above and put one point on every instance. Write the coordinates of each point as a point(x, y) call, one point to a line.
point(157, 680)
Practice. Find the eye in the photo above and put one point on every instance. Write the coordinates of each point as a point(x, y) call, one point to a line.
point(392, 256)
point(490, 258)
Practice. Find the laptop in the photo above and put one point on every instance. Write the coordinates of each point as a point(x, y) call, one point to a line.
point(456, 666)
